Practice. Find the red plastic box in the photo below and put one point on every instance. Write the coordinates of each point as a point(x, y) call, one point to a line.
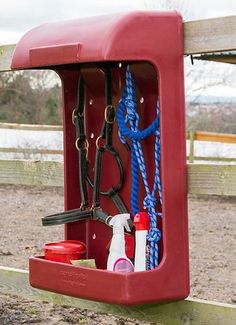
point(152, 43)
point(64, 251)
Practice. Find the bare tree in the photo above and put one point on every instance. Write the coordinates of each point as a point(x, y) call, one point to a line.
point(180, 5)
point(30, 97)
point(201, 78)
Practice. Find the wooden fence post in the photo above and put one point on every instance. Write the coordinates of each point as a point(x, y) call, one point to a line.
point(191, 146)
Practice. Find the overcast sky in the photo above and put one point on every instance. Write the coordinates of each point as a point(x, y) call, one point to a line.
point(18, 16)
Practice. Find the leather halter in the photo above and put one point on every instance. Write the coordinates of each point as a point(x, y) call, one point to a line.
point(103, 144)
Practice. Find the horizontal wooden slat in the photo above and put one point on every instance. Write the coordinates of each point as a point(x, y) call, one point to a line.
point(32, 151)
point(214, 137)
point(202, 178)
point(30, 172)
point(31, 127)
point(212, 179)
point(189, 311)
point(210, 35)
point(27, 151)
point(198, 135)
point(215, 159)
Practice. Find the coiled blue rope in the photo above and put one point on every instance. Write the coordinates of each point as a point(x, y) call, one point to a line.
point(128, 105)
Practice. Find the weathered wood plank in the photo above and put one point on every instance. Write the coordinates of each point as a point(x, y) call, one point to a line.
point(31, 127)
point(211, 136)
point(30, 172)
point(210, 35)
point(196, 135)
point(215, 159)
point(31, 151)
point(6, 53)
point(189, 311)
point(215, 137)
point(202, 178)
point(212, 179)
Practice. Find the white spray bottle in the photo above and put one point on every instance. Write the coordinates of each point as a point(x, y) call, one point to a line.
point(117, 259)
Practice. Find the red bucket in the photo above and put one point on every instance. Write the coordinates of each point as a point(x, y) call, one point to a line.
point(64, 251)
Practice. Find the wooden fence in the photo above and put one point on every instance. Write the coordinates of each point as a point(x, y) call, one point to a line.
point(30, 127)
point(204, 36)
point(184, 312)
point(211, 137)
point(202, 178)
point(192, 136)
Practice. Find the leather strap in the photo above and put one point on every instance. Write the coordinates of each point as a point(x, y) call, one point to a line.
point(106, 133)
point(97, 177)
point(81, 144)
point(66, 217)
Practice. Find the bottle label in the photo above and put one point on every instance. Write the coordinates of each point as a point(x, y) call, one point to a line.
point(123, 265)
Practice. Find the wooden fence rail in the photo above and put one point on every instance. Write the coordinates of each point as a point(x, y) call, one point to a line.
point(198, 135)
point(202, 178)
point(211, 137)
point(31, 127)
point(189, 311)
point(192, 136)
point(31, 151)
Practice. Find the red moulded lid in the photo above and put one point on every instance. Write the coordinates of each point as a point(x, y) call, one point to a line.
point(100, 38)
point(66, 247)
point(142, 221)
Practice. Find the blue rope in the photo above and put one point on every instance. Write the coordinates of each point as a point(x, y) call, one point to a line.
point(128, 105)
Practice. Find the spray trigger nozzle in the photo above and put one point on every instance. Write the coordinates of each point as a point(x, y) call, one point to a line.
point(127, 228)
point(120, 221)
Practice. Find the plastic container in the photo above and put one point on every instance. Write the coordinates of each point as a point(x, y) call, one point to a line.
point(64, 251)
point(117, 259)
point(142, 225)
point(152, 44)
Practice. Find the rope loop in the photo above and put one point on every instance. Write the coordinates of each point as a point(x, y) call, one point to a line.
point(150, 201)
point(154, 235)
point(132, 116)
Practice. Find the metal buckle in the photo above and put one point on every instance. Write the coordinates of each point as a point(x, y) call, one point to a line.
point(74, 116)
point(110, 114)
point(97, 142)
point(81, 144)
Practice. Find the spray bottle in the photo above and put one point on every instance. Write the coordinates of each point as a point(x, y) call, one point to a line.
point(117, 259)
point(142, 225)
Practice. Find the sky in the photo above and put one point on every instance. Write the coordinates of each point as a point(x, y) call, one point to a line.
point(19, 16)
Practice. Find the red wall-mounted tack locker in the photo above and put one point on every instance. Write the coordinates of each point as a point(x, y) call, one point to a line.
point(152, 44)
